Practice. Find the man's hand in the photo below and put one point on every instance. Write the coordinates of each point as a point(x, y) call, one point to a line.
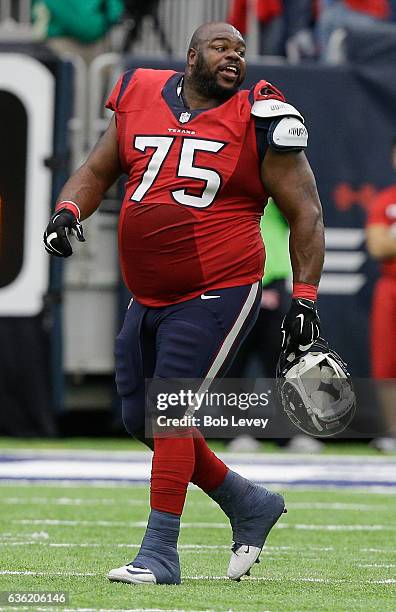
point(301, 326)
point(56, 236)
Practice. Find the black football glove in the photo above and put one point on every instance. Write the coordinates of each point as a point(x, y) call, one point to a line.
point(301, 326)
point(56, 236)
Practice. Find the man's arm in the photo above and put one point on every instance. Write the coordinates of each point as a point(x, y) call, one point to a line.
point(381, 242)
point(82, 194)
point(87, 186)
point(288, 178)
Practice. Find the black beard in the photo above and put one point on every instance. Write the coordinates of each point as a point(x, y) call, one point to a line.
point(206, 84)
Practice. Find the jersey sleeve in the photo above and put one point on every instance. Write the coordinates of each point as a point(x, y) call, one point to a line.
point(118, 91)
point(261, 129)
point(111, 102)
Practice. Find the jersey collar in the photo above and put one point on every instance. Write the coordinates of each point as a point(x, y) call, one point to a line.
point(172, 93)
point(173, 96)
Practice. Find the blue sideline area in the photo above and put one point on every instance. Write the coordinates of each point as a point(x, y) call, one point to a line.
point(134, 468)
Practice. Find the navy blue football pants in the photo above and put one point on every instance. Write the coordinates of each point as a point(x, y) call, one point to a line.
point(198, 338)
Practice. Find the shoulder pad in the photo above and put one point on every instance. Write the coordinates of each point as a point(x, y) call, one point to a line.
point(288, 134)
point(274, 108)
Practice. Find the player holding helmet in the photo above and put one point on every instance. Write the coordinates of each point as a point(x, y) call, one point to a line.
point(201, 157)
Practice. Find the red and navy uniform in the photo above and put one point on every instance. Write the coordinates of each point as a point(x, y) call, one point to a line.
point(383, 315)
point(189, 236)
point(190, 217)
point(195, 339)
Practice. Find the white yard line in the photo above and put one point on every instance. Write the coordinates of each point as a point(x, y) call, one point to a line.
point(195, 548)
point(266, 550)
point(281, 551)
point(106, 485)
point(31, 573)
point(379, 565)
point(299, 526)
point(286, 579)
point(337, 527)
point(75, 523)
point(379, 550)
point(18, 543)
point(70, 501)
point(41, 539)
point(332, 488)
point(338, 506)
point(250, 578)
point(72, 484)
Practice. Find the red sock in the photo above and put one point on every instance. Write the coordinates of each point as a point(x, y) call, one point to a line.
point(209, 471)
point(171, 471)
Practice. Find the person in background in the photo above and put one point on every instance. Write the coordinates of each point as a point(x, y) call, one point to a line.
point(381, 244)
point(336, 14)
point(285, 26)
point(76, 26)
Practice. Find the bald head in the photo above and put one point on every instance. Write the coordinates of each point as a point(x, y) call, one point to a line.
point(209, 31)
point(215, 63)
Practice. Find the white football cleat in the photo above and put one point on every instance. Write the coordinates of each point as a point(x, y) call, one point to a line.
point(253, 511)
point(242, 559)
point(131, 574)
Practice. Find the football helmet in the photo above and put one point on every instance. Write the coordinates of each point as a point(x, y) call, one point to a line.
point(315, 390)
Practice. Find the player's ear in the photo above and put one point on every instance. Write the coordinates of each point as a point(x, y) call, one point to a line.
point(192, 56)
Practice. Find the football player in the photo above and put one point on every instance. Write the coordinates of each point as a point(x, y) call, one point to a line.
point(201, 156)
point(381, 244)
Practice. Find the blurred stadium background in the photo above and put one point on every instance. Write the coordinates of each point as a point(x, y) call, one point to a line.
point(58, 319)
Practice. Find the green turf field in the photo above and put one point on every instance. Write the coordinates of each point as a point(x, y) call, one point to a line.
point(334, 551)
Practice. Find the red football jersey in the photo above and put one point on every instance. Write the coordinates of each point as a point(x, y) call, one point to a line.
point(190, 217)
point(383, 212)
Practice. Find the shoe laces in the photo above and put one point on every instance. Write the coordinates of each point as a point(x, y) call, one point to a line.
point(236, 546)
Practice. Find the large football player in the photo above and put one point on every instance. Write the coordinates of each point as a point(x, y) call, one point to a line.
point(201, 157)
